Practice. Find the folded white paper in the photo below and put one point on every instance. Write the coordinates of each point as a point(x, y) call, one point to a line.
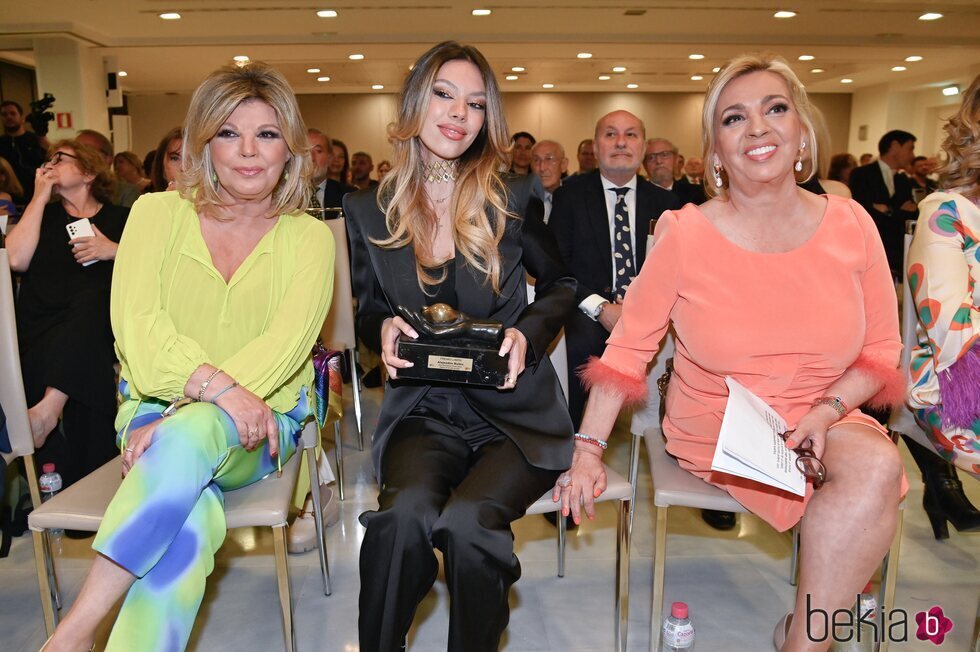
point(750, 445)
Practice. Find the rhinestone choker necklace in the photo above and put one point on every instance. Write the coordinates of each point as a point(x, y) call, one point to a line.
point(440, 171)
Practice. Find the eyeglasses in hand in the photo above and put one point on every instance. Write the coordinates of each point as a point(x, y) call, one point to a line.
point(807, 462)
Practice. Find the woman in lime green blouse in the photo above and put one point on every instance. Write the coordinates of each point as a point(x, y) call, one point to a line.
point(218, 295)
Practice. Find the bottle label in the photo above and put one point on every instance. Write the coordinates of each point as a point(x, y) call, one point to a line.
point(680, 636)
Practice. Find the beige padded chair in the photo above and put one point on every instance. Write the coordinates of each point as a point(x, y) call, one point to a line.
point(262, 504)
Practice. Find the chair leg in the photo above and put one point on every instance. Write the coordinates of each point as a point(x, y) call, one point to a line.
point(623, 573)
point(355, 383)
point(318, 519)
point(41, 561)
point(339, 453)
point(634, 471)
point(560, 521)
point(889, 575)
point(659, 561)
point(794, 562)
point(282, 577)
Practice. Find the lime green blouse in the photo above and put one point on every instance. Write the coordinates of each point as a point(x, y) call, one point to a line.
point(172, 311)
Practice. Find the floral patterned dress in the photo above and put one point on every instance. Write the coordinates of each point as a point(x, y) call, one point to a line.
point(944, 270)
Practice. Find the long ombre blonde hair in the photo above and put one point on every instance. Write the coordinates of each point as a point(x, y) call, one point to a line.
point(478, 206)
point(961, 170)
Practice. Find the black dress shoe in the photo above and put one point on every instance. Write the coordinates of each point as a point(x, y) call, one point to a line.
point(552, 517)
point(718, 520)
point(372, 378)
point(78, 534)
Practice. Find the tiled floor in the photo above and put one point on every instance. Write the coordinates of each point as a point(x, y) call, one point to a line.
point(736, 583)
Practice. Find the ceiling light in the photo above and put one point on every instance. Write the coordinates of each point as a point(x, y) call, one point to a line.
point(899, 68)
point(619, 69)
point(817, 70)
point(604, 77)
point(950, 91)
point(327, 13)
point(847, 81)
point(806, 57)
point(482, 12)
point(930, 16)
point(716, 69)
point(913, 58)
point(377, 87)
point(170, 15)
point(323, 79)
point(122, 73)
point(632, 85)
point(240, 58)
point(547, 85)
point(695, 57)
point(313, 70)
point(696, 77)
point(511, 77)
point(584, 55)
point(518, 69)
point(355, 57)
point(784, 14)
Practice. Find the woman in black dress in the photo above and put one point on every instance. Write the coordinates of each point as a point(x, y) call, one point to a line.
point(457, 464)
point(63, 310)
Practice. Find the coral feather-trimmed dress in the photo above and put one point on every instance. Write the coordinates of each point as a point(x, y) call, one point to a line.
point(785, 325)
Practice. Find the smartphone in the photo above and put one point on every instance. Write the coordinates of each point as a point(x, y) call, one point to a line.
point(81, 228)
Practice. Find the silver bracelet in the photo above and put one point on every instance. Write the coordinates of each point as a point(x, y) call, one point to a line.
point(204, 385)
point(591, 440)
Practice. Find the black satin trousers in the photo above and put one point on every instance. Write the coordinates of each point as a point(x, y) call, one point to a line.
point(454, 482)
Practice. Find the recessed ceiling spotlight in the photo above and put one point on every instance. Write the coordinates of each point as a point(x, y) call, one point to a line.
point(913, 58)
point(806, 57)
point(327, 13)
point(240, 58)
point(619, 69)
point(122, 73)
point(584, 55)
point(323, 79)
point(784, 14)
point(817, 70)
point(695, 57)
point(355, 57)
point(899, 68)
point(930, 16)
point(604, 77)
point(632, 85)
point(313, 71)
point(547, 85)
point(518, 69)
point(847, 81)
point(950, 91)
point(716, 69)
point(377, 87)
point(482, 12)
point(511, 77)
point(696, 77)
point(170, 15)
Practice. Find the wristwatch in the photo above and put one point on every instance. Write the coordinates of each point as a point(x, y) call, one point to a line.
point(834, 402)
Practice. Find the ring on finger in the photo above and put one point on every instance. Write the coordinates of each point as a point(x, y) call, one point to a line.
point(129, 450)
point(564, 480)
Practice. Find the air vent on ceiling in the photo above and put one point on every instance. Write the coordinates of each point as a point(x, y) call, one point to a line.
point(634, 12)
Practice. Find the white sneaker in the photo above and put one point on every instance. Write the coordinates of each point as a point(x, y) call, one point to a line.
point(301, 533)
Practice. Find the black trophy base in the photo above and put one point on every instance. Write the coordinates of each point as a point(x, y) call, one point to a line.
point(453, 362)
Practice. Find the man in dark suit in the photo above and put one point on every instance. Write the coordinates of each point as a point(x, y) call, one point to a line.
point(886, 193)
point(659, 161)
point(328, 193)
point(601, 221)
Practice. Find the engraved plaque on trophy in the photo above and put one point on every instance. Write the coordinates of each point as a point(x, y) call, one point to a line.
point(452, 347)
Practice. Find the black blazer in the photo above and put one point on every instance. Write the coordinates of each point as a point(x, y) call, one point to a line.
point(534, 414)
point(581, 227)
point(868, 188)
point(689, 193)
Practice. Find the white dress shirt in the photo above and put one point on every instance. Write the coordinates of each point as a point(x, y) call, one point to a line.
point(889, 176)
point(592, 302)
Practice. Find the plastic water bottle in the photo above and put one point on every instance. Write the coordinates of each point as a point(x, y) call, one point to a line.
point(678, 632)
point(50, 482)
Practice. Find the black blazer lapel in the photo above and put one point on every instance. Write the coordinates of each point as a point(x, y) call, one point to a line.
point(644, 213)
point(595, 208)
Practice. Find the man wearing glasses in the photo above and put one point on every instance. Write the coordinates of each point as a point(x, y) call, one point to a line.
point(659, 161)
point(549, 165)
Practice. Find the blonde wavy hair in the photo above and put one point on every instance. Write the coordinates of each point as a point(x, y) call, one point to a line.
point(961, 169)
point(738, 67)
point(478, 205)
point(213, 101)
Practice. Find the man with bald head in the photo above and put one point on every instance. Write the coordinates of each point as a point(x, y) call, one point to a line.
point(548, 163)
point(660, 161)
point(601, 221)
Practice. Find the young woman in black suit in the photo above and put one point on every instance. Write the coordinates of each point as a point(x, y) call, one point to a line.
point(457, 464)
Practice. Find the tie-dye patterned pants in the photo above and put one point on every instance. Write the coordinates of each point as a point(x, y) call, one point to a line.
point(167, 520)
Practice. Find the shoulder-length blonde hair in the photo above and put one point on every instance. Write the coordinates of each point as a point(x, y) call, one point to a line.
point(737, 67)
point(8, 180)
point(961, 170)
point(478, 206)
point(213, 101)
point(90, 161)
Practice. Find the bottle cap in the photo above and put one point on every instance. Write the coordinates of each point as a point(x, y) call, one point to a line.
point(678, 610)
point(867, 589)
point(48, 468)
